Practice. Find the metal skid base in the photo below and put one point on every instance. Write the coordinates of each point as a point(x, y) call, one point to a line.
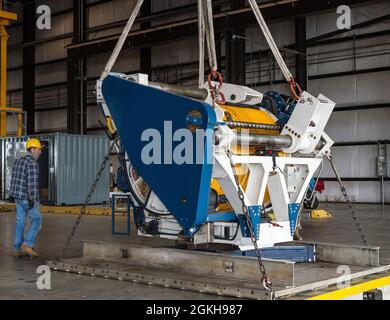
point(156, 277)
point(224, 275)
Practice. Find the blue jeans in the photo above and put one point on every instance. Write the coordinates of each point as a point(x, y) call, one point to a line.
point(36, 222)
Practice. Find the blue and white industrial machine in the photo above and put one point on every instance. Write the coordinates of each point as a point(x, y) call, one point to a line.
point(186, 157)
point(218, 164)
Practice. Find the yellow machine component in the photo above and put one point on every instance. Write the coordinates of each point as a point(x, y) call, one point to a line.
point(250, 115)
point(5, 20)
point(246, 115)
point(110, 126)
point(320, 214)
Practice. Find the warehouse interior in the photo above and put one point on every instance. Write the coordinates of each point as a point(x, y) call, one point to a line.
point(53, 54)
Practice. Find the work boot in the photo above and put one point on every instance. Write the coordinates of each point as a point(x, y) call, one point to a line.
point(20, 254)
point(29, 251)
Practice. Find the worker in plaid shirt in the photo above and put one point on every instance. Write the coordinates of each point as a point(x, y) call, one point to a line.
point(25, 190)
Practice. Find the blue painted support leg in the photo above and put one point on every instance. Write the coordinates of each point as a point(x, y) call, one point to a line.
point(255, 214)
point(293, 214)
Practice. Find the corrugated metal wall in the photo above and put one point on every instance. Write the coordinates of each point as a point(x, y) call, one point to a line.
point(351, 90)
point(73, 163)
point(78, 162)
point(354, 162)
point(361, 89)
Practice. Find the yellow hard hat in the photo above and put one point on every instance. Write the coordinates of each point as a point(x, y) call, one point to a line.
point(33, 143)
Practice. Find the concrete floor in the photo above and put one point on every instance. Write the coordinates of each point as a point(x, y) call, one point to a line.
point(18, 276)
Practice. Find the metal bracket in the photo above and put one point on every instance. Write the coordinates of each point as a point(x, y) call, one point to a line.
point(255, 214)
point(229, 267)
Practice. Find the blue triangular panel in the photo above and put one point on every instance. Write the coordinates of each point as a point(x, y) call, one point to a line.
point(293, 213)
point(184, 189)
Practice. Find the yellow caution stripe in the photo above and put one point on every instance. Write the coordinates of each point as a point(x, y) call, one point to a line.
point(354, 290)
point(91, 211)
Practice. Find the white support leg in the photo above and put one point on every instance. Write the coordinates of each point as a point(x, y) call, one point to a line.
point(279, 196)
